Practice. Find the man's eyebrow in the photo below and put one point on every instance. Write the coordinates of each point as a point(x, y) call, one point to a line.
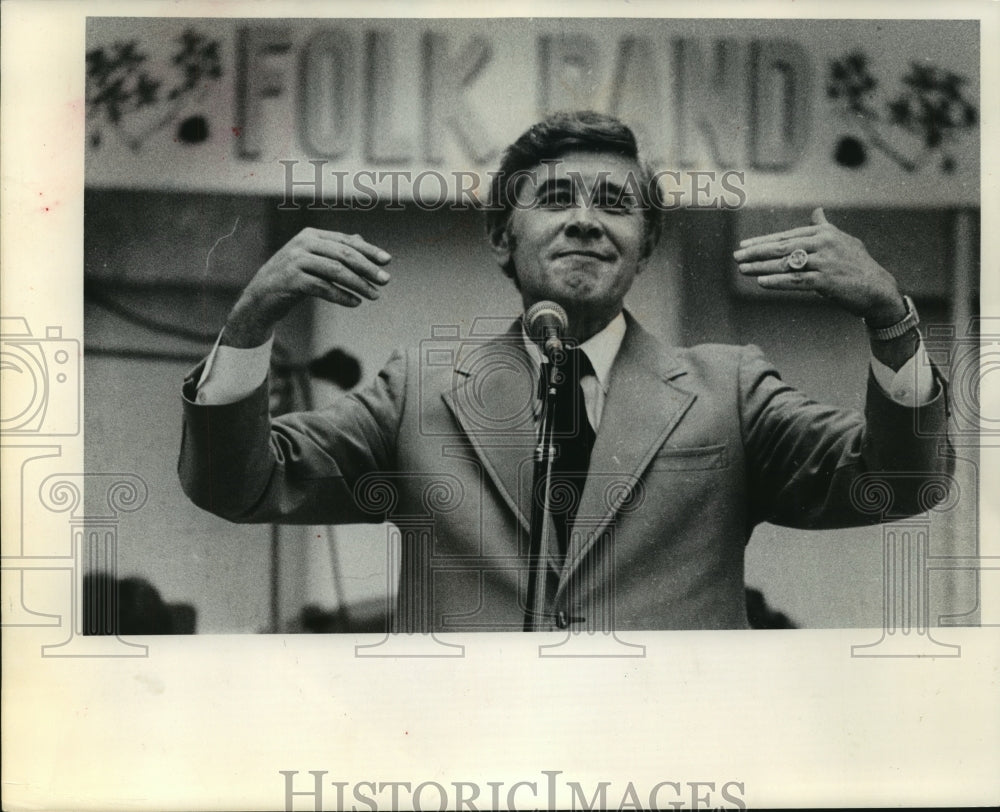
point(550, 183)
point(600, 184)
point(612, 186)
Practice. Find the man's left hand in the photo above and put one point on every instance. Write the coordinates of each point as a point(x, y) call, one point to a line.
point(837, 266)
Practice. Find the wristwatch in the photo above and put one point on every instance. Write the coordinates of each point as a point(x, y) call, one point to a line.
point(901, 327)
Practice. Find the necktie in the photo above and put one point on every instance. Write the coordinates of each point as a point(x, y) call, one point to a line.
point(574, 441)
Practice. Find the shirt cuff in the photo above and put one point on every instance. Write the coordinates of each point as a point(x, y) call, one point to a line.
point(913, 385)
point(232, 373)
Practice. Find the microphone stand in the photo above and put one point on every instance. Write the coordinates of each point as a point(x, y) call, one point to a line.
point(539, 534)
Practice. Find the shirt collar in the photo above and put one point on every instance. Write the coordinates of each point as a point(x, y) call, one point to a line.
point(601, 349)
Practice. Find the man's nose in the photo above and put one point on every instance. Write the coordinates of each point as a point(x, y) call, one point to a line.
point(583, 223)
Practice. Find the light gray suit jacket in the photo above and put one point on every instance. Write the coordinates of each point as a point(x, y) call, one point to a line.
point(695, 447)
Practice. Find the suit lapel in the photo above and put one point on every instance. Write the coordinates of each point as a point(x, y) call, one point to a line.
point(492, 397)
point(643, 406)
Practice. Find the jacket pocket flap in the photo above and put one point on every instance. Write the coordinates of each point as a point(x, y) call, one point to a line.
point(699, 458)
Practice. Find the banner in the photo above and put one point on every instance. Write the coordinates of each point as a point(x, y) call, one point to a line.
point(856, 112)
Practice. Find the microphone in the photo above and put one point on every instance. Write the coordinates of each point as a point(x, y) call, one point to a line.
point(547, 321)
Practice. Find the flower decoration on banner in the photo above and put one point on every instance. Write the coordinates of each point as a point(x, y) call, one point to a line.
point(126, 94)
point(931, 108)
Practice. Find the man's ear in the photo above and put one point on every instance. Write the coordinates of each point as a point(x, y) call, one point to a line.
point(501, 244)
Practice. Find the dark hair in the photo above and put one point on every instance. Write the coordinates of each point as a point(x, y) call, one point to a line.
point(555, 136)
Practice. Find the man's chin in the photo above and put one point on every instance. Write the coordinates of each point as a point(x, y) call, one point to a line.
point(569, 290)
point(573, 298)
point(577, 284)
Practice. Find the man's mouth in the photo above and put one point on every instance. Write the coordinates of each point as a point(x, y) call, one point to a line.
point(581, 252)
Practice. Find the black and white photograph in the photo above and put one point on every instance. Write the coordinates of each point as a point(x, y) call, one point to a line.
point(412, 407)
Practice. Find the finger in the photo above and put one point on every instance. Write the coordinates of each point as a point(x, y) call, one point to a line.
point(767, 266)
point(358, 243)
point(801, 231)
point(321, 289)
point(337, 273)
point(797, 280)
point(350, 257)
point(780, 248)
point(818, 217)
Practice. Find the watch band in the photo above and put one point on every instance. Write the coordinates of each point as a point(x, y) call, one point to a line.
point(901, 327)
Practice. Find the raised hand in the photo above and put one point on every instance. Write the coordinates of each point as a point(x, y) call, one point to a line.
point(836, 265)
point(340, 268)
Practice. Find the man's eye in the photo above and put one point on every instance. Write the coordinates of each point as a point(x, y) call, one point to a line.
point(615, 202)
point(556, 198)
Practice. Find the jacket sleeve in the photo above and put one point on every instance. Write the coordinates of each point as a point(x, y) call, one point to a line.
point(238, 463)
point(813, 466)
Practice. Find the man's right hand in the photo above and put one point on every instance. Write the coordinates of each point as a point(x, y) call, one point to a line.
point(340, 268)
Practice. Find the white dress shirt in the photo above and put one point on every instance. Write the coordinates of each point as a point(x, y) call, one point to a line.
point(232, 373)
point(601, 350)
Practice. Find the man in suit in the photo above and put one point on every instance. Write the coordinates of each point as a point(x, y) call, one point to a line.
point(667, 457)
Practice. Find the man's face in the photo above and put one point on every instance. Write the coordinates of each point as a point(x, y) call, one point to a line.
point(578, 235)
